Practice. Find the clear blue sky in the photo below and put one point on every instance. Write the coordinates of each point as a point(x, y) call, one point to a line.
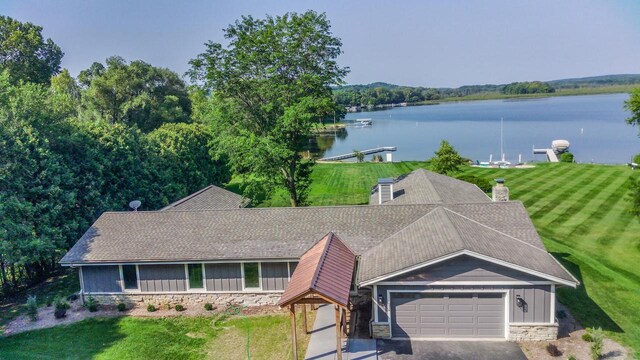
point(421, 43)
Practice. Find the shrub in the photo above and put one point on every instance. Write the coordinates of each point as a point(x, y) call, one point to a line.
point(60, 313)
point(32, 307)
point(91, 304)
point(561, 314)
point(122, 306)
point(553, 350)
point(61, 304)
point(180, 307)
point(597, 344)
point(587, 337)
point(151, 308)
point(482, 183)
point(571, 357)
point(566, 157)
point(208, 307)
point(72, 297)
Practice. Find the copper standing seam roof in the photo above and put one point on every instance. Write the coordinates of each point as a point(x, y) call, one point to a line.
point(324, 270)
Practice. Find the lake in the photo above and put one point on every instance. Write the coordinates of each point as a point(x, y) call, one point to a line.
point(593, 124)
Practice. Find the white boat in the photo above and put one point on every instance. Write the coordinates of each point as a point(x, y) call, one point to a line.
point(364, 122)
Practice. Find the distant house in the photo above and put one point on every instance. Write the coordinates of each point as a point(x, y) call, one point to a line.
point(437, 258)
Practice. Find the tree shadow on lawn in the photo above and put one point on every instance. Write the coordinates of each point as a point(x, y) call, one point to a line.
point(585, 310)
point(82, 340)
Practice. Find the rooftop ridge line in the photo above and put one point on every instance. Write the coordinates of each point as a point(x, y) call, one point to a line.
point(499, 232)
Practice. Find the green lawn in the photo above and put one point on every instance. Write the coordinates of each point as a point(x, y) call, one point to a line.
point(210, 337)
point(580, 211)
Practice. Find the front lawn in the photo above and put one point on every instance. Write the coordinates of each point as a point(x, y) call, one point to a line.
point(212, 337)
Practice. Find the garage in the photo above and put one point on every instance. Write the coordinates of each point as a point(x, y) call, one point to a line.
point(463, 315)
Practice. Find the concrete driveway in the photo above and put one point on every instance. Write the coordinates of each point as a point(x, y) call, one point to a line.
point(449, 350)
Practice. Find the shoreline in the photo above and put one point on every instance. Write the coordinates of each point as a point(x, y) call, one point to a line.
point(609, 90)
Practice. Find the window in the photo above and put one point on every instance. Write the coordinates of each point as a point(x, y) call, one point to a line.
point(130, 277)
point(251, 275)
point(195, 276)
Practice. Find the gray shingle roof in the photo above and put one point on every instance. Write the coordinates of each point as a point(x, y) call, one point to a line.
point(444, 231)
point(209, 198)
point(426, 187)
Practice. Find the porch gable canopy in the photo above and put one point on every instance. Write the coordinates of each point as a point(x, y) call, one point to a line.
point(324, 271)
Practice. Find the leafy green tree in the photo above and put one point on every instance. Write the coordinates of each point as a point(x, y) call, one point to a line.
point(134, 94)
point(359, 156)
point(187, 152)
point(65, 94)
point(566, 157)
point(633, 105)
point(446, 160)
point(273, 83)
point(26, 54)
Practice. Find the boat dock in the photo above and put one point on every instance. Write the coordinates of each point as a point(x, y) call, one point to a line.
point(364, 152)
point(551, 155)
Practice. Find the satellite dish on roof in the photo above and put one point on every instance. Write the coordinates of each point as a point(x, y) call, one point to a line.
point(135, 204)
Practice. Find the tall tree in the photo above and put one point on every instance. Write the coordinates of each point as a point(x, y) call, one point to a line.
point(273, 79)
point(186, 152)
point(26, 54)
point(633, 105)
point(134, 93)
point(447, 160)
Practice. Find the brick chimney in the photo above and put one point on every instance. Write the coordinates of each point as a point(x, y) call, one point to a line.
point(385, 190)
point(500, 192)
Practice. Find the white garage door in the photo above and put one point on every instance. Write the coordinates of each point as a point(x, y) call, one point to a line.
point(447, 315)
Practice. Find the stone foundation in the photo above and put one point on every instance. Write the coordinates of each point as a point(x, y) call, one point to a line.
point(189, 299)
point(533, 332)
point(380, 330)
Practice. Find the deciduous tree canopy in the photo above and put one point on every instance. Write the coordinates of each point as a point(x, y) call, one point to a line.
point(272, 82)
point(25, 54)
point(447, 159)
point(134, 94)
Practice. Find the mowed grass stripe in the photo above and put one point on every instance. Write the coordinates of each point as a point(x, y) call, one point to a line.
point(548, 187)
point(564, 205)
point(589, 216)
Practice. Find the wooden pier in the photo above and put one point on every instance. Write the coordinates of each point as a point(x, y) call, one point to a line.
point(364, 152)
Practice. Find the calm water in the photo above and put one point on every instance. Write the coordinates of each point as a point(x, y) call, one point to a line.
point(593, 124)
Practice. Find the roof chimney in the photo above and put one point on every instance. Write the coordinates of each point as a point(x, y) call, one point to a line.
point(385, 190)
point(500, 192)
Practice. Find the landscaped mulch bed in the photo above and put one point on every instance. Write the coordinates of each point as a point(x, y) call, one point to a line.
point(570, 343)
point(77, 313)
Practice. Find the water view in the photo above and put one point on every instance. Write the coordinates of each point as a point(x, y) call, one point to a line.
point(593, 124)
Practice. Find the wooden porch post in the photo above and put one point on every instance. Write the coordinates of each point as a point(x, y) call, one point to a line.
point(294, 338)
point(338, 333)
point(304, 318)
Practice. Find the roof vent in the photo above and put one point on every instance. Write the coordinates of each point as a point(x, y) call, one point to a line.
point(385, 190)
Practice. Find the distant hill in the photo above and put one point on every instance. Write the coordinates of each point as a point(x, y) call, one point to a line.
point(596, 81)
point(383, 94)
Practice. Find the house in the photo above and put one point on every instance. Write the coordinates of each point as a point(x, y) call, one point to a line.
point(437, 258)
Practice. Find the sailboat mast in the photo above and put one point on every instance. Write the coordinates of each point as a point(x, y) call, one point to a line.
point(501, 139)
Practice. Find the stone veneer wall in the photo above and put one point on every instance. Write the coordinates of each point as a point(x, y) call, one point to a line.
point(380, 330)
point(190, 299)
point(533, 332)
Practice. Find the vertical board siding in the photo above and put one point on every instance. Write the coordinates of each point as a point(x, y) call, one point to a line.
point(538, 299)
point(466, 268)
point(274, 276)
point(223, 277)
point(101, 279)
point(162, 278)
